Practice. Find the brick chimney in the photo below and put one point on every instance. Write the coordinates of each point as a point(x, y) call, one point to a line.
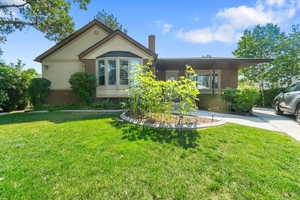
point(151, 42)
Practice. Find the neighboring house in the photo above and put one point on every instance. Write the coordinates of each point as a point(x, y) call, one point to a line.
point(109, 55)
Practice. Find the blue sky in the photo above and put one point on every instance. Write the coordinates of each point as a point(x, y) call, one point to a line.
point(190, 28)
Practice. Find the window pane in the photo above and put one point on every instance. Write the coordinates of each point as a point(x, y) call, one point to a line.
point(132, 64)
point(202, 81)
point(101, 72)
point(112, 79)
point(123, 72)
point(132, 68)
point(215, 81)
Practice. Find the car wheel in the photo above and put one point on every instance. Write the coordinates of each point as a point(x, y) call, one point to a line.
point(277, 109)
point(298, 114)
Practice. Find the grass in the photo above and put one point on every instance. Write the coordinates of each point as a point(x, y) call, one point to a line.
point(93, 106)
point(94, 156)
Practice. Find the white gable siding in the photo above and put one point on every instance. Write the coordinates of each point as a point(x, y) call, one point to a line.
point(71, 50)
point(64, 62)
point(117, 44)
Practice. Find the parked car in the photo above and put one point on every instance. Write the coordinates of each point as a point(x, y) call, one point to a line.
point(288, 101)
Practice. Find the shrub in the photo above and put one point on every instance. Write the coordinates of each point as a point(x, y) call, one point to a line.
point(13, 86)
point(38, 91)
point(246, 99)
point(229, 95)
point(240, 100)
point(83, 85)
point(3, 97)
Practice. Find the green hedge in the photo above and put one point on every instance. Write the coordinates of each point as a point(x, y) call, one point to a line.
point(83, 85)
point(269, 96)
point(38, 91)
point(240, 100)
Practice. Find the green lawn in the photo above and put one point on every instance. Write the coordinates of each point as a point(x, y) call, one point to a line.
point(95, 156)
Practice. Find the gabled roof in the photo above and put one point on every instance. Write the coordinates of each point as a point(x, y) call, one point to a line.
point(72, 37)
point(209, 62)
point(109, 37)
point(119, 54)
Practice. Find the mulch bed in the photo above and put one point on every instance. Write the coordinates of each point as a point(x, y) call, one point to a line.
point(171, 119)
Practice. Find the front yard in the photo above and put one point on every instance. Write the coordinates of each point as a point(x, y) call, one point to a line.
point(96, 156)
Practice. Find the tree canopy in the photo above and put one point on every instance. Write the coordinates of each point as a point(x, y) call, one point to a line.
point(270, 42)
point(50, 17)
point(261, 42)
point(287, 64)
point(110, 20)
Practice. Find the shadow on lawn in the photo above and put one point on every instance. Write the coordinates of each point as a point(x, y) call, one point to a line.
point(183, 138)
point(54, 117)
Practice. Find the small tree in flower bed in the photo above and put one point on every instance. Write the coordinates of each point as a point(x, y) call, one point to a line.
point(151, 97)
point(185, 92)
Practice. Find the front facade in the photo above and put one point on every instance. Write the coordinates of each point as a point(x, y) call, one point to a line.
point(110, 55)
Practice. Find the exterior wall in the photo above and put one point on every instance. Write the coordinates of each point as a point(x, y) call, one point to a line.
point(71, 50)
point(90, 66)
point(226, 78)
point(59, 66)
point(229, 78)
point(59, 73)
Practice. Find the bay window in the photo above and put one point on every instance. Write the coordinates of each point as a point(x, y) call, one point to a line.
point(115, 71)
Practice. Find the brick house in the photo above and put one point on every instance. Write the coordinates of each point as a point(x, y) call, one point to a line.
point(109, 55)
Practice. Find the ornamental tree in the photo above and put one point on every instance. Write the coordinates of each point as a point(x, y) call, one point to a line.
point(150, 96)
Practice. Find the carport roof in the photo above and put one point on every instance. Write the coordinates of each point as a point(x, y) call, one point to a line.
point(209, 62)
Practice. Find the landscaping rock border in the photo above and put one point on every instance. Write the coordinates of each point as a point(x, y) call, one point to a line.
point(124, 117)
point(38, 111)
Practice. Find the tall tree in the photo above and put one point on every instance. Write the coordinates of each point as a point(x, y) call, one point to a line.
point(48, 16)
point(261, 42)
point(287, 64)
point(110, 20)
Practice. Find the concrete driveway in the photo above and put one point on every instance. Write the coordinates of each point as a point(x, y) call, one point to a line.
point(264, 118)
point(285, 124)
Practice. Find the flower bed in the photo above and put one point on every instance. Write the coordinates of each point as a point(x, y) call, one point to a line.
point(172, 121)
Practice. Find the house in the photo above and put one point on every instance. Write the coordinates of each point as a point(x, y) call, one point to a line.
point(109, 55)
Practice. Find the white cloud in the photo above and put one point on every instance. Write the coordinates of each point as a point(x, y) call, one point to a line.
point(246, 16)
point(225, 33)
point(163, 26)
point(230, 22)
point(167, 28)
point(12, 2)
point(278, 3)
